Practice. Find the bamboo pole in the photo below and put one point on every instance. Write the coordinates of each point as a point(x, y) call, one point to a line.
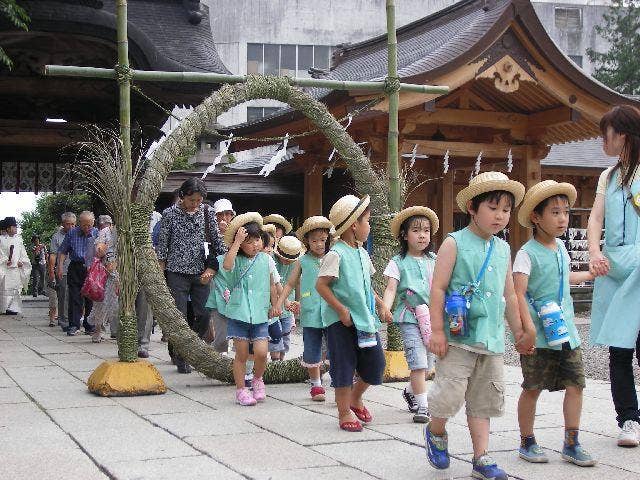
point(200, 77)
point(395, 201)
point(127, 333)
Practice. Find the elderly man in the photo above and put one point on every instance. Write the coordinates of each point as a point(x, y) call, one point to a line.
point(75, 245)
point(57, 292)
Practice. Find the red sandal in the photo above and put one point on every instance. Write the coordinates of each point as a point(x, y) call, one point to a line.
point(354, 426)
point(362, 414)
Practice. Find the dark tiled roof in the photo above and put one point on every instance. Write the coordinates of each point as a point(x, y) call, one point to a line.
point(585, 154)
point(424, 45)
point(255, 163)
point(159, 30)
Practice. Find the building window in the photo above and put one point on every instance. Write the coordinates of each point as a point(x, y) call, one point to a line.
point(568, 18)
point(290, 60)
point(256, 113)
point(577, 59)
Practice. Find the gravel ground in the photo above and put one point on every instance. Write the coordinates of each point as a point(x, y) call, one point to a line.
point(596, 359)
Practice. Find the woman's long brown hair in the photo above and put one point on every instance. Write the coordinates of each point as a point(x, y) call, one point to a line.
point(625, 120)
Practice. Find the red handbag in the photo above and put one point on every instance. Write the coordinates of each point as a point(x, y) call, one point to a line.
point(95, 282)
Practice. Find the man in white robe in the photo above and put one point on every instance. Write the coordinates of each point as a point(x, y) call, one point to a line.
point(15, 269)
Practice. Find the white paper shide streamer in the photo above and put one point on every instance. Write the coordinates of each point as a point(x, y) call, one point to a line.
point(224, 150)
point(509, 161)
point(445, 163)
point(330, 161)
point(277, 158)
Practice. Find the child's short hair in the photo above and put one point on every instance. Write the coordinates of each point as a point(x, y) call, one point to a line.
point(265, 237)
point(253, 231)
point(492, 196)
point(327, 246)
point(364, 212)
point(539, 209)
point(404, 230)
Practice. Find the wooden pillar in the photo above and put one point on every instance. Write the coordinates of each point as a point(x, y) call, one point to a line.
point(312, 191)
point(528, 173)
point(446, 205)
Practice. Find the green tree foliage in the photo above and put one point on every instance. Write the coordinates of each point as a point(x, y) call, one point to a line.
point(619, 68)
point(17, 16)
point(45, 219)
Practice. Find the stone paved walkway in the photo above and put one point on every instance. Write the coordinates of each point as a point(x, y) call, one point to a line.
point(51, 427)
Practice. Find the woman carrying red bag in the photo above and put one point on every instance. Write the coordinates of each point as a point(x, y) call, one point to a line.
point(105, 312)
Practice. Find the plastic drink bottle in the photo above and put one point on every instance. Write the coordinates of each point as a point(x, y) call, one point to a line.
point(555, 328)
point(423, 316)
point(456, 308)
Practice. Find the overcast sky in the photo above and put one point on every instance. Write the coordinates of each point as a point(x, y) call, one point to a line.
point(15, 204)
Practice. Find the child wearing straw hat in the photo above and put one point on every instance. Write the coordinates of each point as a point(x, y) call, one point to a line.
point(344, 282)
point(283, 226)
point(287, 252)
point(542, 275)
point(409, 277)
point(472, 287)
point(315, 234)
point(248, 297)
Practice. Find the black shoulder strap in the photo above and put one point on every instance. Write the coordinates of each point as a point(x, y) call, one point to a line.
point(207, 226)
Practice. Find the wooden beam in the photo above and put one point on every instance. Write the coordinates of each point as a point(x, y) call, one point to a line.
point(464, 149)
point(312, 190)
point(472, 118)
point(553, 117)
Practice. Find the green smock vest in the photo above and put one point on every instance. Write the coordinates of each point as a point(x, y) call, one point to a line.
point(353, 289)
point(250, 298)
point(486, 312)
point(285, 272)
point(311, 305)
point(616, 298)
point(415, 276)
point(216, 301)
point(544, 286)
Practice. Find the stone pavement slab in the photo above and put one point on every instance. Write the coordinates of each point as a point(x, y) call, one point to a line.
point(209, 423)
point(391, 459)
point(185, 468)
point(258, 454)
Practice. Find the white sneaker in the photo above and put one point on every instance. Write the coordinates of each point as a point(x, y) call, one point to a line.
point(629, 435)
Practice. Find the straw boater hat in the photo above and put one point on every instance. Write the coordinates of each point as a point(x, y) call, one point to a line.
point(280, 221)
point(489, 182)
point(540, 192)
point(289, 248)
point(402, 215)
point(313, 223)
point(239, 221)
point(346, 211)
point(269, 228)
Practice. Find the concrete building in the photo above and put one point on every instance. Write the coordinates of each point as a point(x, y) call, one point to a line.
point(291, 36)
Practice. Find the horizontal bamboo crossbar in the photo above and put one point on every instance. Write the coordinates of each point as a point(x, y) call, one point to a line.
point(201, 77)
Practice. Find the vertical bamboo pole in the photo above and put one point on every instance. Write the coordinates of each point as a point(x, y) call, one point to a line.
point(395, 202)
point(394, 339)
point(128, 332)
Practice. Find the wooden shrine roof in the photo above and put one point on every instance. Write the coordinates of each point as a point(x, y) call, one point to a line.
point(466, 46)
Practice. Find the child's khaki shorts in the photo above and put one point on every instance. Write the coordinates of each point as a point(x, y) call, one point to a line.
point(464, 376)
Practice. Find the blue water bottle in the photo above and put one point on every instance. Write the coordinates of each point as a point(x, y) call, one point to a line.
point(555, 328)
point(456, 308)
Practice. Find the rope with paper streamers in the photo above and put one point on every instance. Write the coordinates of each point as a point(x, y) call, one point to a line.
point(277, 158)
point(224, 151)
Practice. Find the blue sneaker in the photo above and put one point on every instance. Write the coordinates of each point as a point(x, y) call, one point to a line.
point(577, 455)
point(533, 454)
point(436, 448)
point(486, 469)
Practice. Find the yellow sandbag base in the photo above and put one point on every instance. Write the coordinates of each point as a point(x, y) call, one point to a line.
point(396, 368)
point(126, 379)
